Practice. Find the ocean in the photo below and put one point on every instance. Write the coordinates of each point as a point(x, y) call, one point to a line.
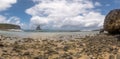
point(36, 34)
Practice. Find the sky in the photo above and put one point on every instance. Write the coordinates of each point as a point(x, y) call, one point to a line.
point(57, 14)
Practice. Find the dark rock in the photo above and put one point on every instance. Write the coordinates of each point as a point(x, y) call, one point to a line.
point(50, 52)
point(27, 53)
point(101, 31)
point(111, 57)
point(40, 57)
point(112, 22)
point(38, 27)
point(66, 48)
point(1, 45)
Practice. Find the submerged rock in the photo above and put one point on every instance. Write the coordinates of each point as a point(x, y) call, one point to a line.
point(112, 22)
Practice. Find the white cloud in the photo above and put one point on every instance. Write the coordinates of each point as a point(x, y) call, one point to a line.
point(2, 19)
point(14, 20)
point(5, 4)
point(66, 14)
point(11, 20)
point(97, 4)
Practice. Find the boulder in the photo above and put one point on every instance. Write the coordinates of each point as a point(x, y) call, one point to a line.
point(112, 22)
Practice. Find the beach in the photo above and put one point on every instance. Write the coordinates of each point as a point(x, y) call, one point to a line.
point(59, 29)
point(60, 46)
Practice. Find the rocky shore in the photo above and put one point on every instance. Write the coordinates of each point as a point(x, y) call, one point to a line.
point(100, 46)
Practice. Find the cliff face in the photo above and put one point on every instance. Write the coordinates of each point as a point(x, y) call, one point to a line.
point(112, 22)
point(9, 26)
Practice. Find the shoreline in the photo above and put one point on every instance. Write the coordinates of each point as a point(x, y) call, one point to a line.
point(37, 35)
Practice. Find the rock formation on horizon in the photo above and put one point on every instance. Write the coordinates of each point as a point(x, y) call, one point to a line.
point(38, 27)
point(5, 26)
point(112, 22)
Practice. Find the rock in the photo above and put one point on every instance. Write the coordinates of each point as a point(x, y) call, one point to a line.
point(66, 48)
point(38, 57)
point(111, 57)
point(112, 22)
point(118, 56)
point(69, 57)
point(1, 45)
point(38, 27)
point(27, 53)
point(101, 31)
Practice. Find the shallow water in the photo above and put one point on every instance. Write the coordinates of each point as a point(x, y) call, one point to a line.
point(47, 34)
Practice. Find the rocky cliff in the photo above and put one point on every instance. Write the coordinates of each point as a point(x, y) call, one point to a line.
point(112, 22)
point(9, 26)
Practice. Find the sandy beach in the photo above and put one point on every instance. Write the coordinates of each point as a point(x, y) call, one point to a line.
point(99, 46)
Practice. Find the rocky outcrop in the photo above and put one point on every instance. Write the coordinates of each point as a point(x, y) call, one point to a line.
point(101, 31)
point(38, 27)
point(112, 22)
point(9, 26)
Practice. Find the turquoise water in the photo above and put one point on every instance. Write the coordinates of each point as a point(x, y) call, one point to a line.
point(45, 34)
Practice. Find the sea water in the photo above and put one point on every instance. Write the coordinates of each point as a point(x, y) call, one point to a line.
point(34, 34)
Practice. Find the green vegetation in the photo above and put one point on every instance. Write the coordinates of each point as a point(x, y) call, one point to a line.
point(9, 26)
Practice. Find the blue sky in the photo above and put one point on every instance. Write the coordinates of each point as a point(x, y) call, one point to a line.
point(18, 9)
point(57, 14)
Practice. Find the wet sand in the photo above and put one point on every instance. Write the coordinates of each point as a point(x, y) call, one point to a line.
point(99, 46)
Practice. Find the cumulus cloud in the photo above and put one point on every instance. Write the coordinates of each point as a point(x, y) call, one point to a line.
point(14, 20)
point(5, 4)
point(97, 4)
point(2, 19)
point(66, 14)
point(11, 20)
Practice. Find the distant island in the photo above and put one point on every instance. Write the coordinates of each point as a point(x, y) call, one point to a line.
point(5, 26)
point(38, 27)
